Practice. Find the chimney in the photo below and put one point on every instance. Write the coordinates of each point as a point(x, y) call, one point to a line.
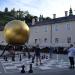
point(66, 13)
point(33, 21)
point(54, 16)
point(41, 18)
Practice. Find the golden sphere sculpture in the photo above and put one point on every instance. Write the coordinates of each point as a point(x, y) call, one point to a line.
point(16, 32)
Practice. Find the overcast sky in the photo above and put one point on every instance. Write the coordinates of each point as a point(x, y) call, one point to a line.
point(37, 7)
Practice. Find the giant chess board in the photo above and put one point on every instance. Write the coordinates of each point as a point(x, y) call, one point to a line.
point(15, 66)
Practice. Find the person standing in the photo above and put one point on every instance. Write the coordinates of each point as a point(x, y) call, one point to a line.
point(37, 54)
point(50, 52)
point(71, 53)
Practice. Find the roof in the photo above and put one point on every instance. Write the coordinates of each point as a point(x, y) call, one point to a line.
point(50, 21)
point(56, 20)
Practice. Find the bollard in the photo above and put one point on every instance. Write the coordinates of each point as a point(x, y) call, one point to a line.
point(30, 71)
point(23, 70)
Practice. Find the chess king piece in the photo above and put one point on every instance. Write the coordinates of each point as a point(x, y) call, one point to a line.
point(23, 70)
point(30, 70)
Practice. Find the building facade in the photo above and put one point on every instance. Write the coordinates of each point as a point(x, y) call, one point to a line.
point(56, 32)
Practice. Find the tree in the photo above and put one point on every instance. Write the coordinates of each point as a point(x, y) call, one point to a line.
point(7, 16)
point(28, 18)
point(36, 18)
point(25, 13)
point(47, 18)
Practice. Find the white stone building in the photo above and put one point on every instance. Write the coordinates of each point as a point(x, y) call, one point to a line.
point(57, 32)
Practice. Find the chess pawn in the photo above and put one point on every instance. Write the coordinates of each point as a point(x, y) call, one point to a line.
point(23, 70)
point(13, 58)
point(20, 57)
point(46, 57)
point(30, 71)
point(6, 59)
point(42, 57)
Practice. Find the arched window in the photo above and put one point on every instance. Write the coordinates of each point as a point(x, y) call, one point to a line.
point(36, 41)
point(45, 40)
point(68, 27)
point(56, 40)
point(68, 39)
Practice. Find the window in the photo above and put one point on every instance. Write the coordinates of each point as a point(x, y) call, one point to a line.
point(68, 27)
point(56, 40)
point(56, 28)
point(45, 40)
point(69, 40)
point(36, 41)
point(46, 29)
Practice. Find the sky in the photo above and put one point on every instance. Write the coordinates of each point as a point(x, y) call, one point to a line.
point(40, 7)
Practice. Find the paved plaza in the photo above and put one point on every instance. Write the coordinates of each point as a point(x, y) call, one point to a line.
point(57, 65)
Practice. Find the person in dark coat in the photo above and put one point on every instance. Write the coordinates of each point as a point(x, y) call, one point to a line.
point(50, 52)
point(37, 54)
